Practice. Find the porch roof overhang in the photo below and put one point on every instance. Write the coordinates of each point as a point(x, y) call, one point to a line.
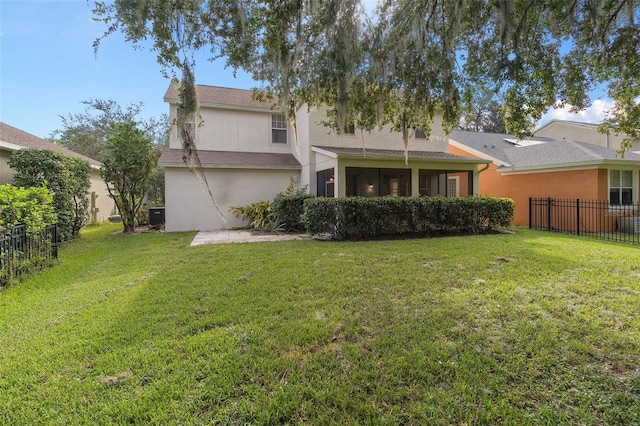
point(389, 154)
point(232, 160)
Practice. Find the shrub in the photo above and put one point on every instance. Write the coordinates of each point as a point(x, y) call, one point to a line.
point(31, 207)
point(363, 218)
point(288, 208)
point(259, 215)
point(66, 177)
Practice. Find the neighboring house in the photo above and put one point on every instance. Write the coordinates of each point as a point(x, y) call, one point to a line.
point(544, 167)
point(12, 139)
point(583, 132)
point(249, 153)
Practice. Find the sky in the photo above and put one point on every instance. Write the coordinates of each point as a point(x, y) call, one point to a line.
point(48, 67)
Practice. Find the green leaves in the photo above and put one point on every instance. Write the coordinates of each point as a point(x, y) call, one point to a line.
point(407, 60)
point(128, 161)
point(67, 178)
point(31, 207)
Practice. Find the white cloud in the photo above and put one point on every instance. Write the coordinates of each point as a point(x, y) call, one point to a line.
point(594, 114)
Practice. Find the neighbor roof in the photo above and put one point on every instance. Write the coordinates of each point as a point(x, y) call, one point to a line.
point(561, 153)
point(395, 154)
point(232, 159)
point(214, 95)
point(489, 145)
point(12, 138)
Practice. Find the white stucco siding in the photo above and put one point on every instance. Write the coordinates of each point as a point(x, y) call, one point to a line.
point(104, 205)
point(320, 135)
point(189, 207)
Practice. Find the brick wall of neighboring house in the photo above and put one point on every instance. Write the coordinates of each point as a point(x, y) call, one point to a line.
point(588, 184)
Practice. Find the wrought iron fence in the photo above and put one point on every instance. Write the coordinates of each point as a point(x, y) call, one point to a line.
point(22, 251)
point(594, 218)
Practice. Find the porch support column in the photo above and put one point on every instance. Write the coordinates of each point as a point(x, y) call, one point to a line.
point(415, 180)
point(476, 182)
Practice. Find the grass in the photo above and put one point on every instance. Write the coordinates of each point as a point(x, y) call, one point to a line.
point(530, 328)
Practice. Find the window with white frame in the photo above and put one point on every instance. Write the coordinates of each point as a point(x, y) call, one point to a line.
point(452, 186)
point(620, 187)
point(278, 128)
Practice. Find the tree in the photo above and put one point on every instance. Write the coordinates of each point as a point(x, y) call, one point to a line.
point(68, 178)
point(86, 132)
point(409, 60)
point(483, 114)
point(128, 160)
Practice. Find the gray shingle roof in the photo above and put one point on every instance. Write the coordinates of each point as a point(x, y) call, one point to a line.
point(21, 138)
point(490, 144)
point(221, 96)
point(562, 152)
point(232, 159)
point(550, 153)
point(389, 153)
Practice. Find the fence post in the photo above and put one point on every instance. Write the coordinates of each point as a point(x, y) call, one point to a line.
point(549, 202)
point(577, 216)
point(530, 211)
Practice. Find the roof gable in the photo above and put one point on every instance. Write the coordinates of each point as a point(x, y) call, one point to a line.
point(220, 96)
point(12, 138)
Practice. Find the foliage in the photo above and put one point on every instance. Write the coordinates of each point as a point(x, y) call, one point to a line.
point(260, 215)
point(408, 59)
point(32, 207)
point(374, 217)
point(68, 178)
point(87, 132)
point(128, 161)
point(483, 113)
point(525, 329)
point(288, 207)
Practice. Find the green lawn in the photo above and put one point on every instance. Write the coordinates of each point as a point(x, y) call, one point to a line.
point(530, 328)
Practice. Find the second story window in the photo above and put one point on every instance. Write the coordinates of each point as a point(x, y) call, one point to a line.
point(349, 129)
point(420, 134)
point(278, 128)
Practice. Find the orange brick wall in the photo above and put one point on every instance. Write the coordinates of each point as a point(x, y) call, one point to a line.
point(585, 184)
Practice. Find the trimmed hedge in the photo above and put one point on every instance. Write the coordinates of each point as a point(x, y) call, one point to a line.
point(288, 208)
point(31, 207)
point(365, 218)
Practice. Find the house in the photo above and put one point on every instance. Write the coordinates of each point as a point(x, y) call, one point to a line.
point(249, 153)
point(583, 132)
point(545, 167)
point(12, 139)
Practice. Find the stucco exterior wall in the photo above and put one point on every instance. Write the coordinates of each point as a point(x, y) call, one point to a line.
point(103, 206)
point(6, 174)
point(559, 130)
point(189, 207)
point(376, 139)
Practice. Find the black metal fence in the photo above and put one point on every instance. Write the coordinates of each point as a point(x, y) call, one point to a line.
point(22, 252)
point(594, 218)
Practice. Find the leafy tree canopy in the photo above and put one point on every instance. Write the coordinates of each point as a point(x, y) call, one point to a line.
point(127, 163)
point(409, 58)
point(87, 132)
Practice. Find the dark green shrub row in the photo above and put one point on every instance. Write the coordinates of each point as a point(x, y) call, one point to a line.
point(365, 218)
point(68, 179)
point(288, 208)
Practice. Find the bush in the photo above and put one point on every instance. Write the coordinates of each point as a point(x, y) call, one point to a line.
point(288, 208)
point(31, 207)
point(365, 218)
point(66, 177)
point(259, 215)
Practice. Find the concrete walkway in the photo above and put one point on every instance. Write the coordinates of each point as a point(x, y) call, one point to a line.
point(219, 237)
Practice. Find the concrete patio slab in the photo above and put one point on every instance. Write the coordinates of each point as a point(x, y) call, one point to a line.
point(223, 237)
